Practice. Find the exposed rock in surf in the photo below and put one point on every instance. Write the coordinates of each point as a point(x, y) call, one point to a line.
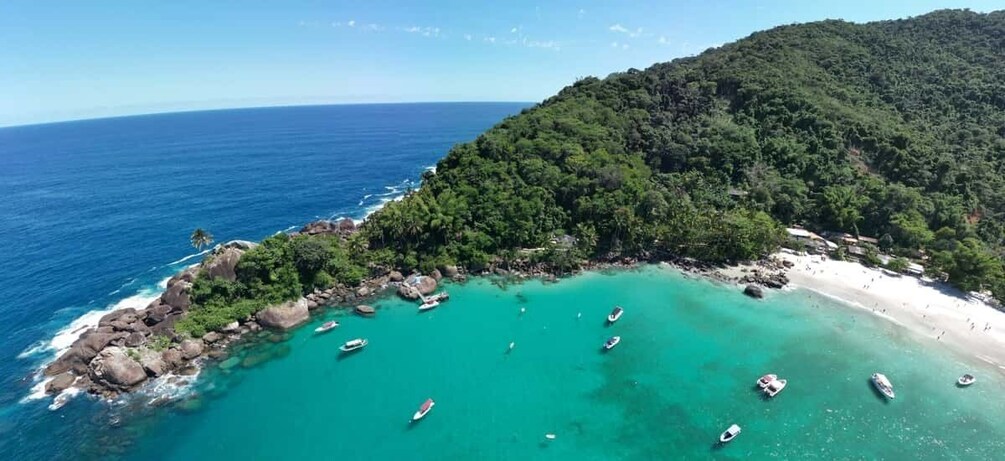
point(753, 291)
point(284, 316)
point(364, 309)
point(60, 383)
point(190, 348)
point(211, 337)
point(172, 358)
point(153, 362)
point(114, 367)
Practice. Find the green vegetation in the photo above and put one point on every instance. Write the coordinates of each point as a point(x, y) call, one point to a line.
point(890, 129)
point(200, 238)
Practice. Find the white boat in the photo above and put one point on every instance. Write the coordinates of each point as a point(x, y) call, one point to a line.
point(883, 385)
point(615, 314)
point(327, 326)
point(966, 380)
point(774, 387)
point(353, 345)
point(426, 406)
point(729, 434)
point(428, 305)
point(763, 381)
point(613, 341)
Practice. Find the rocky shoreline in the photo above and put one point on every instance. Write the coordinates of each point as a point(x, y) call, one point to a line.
point(130, 348)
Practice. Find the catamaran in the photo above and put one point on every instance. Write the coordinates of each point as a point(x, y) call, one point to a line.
point(763, 381)
point(774, 387)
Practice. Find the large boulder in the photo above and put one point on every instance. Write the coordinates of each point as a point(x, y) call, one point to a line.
point(135, 339)
point(346, 225)
point(153, 362)
point(450, 271)
point(395, 276)
point(408, 292)
point(127, 315)
point(156, 313)
point(222, 263)
point(284, 316)
point(178, 296)
point(172, 358)
point(114, 367)
point(753, 291)
point(190, 348)
point(187, 275)
point(60, 383)
point(211, 337)
point(320, 227)
point(416, 285)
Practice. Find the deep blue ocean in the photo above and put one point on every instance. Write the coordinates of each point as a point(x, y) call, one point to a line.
point(94, 214)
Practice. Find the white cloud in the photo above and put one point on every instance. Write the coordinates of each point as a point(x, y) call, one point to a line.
point(663, 40)
point(581, 12)
point(514, 30)
point(467, 37)
point(351, 23)
point(624, 46)
point(550, 44)
point(624, 30)
point(490, 39)
point(614, 44)
point(618, 28)
point(423, 31)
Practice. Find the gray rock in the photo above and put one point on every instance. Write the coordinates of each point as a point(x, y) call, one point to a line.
point(253, 326)
point(187, 275)
point(178, 296)
point(114, 367)
point(396, 276)
point(135, 339)
point(311, 305)
point(284, 316)
point(153, 362)
point(408, 292)
point(172, 358)
point(211, 337)
point(436, 275)
point(231, 327)
point(191, 348)
point(60, 383)
point(364, 309)
point(128, 315)
point(450, 271)
point(156, 313)
point(222, 263)
point(753, 291)
point(363, 292)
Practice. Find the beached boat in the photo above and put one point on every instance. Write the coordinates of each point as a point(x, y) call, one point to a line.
point(353, 345)
point(327, 326)
point(763, 381)
point(613, 341)
point(428, 305)
point(883, 385)
point(729, 434)
point(774, 387)
point(426, 406)
point(615, 314)
point(966, 380)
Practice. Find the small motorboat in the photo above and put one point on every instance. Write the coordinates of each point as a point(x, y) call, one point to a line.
point(428, 305)
point(966, 380)
point(774, 387)
point(549, 436)
point(353, 345)
point(426, 406)
point(615, 314)
point(729, 434)
point(883, 385)
point(327, 326)
point(512, 345)
point(613, 341)
point(763, 381)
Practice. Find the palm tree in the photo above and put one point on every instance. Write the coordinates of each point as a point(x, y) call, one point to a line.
point(201, 238)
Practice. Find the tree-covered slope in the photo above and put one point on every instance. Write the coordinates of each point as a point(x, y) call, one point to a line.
point(894, 127)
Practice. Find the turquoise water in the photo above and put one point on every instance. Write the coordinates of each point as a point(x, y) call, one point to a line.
point(685, 369)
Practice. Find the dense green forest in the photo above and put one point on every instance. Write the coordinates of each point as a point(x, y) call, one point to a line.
point(893, 128)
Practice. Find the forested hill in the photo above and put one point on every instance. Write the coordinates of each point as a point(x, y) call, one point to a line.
point(889, 128)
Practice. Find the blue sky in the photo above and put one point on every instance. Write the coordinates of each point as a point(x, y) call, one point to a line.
point(83, 59)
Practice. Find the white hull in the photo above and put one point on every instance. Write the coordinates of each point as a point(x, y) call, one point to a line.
point(353, 345)
point(966, 380)
point(763, 381)
point(774, 387)
point(883, 385)
point(611, 343)
point(423, 411)
point(729, 434)
point(614, 316)
point(428, 306)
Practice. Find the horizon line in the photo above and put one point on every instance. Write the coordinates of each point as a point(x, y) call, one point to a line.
point(270, 106)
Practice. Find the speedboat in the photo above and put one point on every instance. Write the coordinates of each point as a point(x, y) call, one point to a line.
point(353, 345)
point(966, 380)
point(615, 314)
point(883, 384)
point(426, 406)
point(613, 341)
point(729, 434)
point(327, 326)
point(428, 305)
point(774, 387)
point(763, 381)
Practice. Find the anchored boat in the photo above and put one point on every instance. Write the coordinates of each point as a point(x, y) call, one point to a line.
point(327, 326)
point(883, 385)
point(613, 341)
point(615, 314)
point(729, 434)
point(426, 406)
point(763, 381)
point(354, 345)
point(966, 380)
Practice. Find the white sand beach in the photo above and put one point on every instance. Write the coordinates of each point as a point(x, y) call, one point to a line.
point(930, 308)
